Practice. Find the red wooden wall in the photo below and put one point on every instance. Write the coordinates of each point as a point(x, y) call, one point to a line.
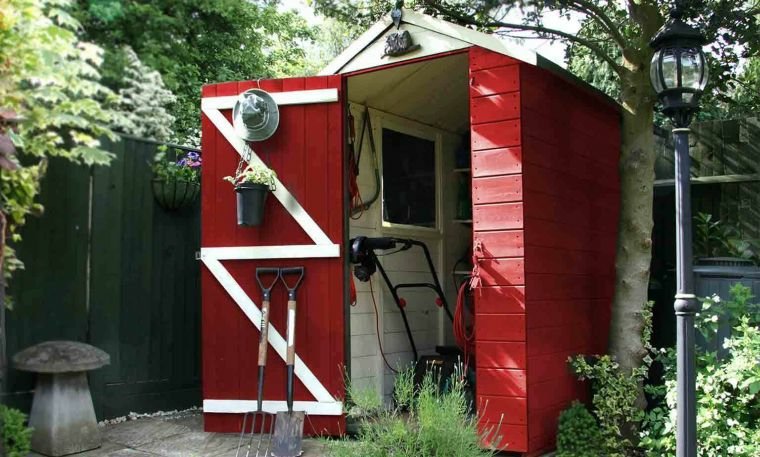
point(497, 195)
point(545, 208)
point(571, 144)
point(306, 153)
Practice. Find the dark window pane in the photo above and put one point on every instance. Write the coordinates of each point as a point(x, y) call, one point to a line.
point(408, 179)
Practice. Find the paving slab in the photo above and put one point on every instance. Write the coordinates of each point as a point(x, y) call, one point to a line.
point(137, 433)
point(179, 435)
point(107, 449)
point(192, 421)
point(193, 444)
point(127, 453)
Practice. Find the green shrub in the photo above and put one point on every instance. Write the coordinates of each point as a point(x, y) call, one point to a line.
point(16, 436)
point(578, 434)
point(728, 390)
point(616, 395)
point(436, 424)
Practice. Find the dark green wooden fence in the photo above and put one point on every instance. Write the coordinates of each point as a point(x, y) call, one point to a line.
point(106, 265)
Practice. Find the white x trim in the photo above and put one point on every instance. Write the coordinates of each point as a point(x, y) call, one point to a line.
point(325, 403)
point(212, 107)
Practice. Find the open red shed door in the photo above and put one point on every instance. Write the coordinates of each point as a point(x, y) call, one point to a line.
point(304, 225)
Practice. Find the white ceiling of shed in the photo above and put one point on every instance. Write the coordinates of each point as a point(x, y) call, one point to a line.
point(433, 92)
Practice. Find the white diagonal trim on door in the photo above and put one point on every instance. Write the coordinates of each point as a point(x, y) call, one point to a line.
point(281, 192)
point(253, 313)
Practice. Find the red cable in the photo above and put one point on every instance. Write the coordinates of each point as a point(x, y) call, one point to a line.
point(377, 328)
point(464, 340)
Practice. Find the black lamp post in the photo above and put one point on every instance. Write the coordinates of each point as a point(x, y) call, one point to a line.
point(679, 75)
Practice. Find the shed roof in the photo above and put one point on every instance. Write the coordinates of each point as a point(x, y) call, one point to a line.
point(436, 36)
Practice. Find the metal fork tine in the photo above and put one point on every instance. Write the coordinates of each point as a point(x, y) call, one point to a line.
point(262, 432)
point(250, 436)
point(242, 434)
point(271, 433)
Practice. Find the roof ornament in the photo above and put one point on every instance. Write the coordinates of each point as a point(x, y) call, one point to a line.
point(399, 43)
point(396, 13)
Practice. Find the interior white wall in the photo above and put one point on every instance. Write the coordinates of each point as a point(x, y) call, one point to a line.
point(429, 324)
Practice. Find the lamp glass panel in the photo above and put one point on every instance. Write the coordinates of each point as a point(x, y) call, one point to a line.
point(654, 72)
point(705, 71)
point(670, 68)
point(691, 69)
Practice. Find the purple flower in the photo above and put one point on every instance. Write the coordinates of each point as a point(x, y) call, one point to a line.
point(182, 162)
point(193, 156)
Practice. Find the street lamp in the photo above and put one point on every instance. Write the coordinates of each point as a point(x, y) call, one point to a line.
point(679, 75)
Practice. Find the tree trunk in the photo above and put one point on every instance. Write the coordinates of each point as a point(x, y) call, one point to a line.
point(634, 247)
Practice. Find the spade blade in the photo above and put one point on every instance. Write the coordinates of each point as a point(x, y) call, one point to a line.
point(288, 434)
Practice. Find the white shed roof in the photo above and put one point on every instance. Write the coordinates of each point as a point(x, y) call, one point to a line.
point(445, 36)
point(434, 36)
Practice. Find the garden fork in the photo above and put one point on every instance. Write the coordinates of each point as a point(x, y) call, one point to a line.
point(266, 418)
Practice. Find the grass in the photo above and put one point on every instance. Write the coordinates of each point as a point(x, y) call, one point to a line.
point(423, 422)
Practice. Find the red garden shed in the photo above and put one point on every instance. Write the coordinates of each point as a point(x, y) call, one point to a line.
point(443, 116)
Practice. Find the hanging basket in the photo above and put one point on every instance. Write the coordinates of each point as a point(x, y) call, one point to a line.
point(173, 195)
point(250, 203)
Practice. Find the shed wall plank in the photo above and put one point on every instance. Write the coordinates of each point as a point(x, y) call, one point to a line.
point(504, 410)
point(494, 108)
point(494, 162)
point(497, 189)
point(505, 243)
point(501, 354)
point(493, 135)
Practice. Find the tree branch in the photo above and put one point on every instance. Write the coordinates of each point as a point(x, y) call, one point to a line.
point(594, 11)
point(595, 48)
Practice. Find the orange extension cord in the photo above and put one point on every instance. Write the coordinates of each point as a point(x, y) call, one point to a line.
point(464, 340)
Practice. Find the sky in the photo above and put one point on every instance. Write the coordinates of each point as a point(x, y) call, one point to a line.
point(554, 51)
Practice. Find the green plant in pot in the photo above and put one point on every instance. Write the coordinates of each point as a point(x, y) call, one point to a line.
point(176, 183)
point(252, 185)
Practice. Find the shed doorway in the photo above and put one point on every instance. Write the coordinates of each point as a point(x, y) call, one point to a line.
point(418, 114)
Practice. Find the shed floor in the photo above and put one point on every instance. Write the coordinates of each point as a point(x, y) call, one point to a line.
point(172, 436)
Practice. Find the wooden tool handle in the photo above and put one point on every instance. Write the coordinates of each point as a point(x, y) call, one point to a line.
point(291, 356)
point(264, 335)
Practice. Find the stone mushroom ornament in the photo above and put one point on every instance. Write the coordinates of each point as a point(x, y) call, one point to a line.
point(63, 416)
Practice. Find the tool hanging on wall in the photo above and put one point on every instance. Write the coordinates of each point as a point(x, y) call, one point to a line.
point(264, 431)
point(358, 205)
point(288, 431)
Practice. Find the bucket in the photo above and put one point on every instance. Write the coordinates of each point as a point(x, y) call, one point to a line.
point(250, 203)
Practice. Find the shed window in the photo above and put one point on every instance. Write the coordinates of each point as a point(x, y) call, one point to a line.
point(409, 187)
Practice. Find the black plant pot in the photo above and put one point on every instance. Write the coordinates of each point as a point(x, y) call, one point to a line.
point(250, 203)
point(173, 195)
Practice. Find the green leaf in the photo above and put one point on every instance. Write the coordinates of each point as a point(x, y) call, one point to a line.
point(93, 156)
point(15, 138)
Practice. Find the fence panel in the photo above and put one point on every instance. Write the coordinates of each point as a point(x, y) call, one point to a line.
point(50, 295)
point(142, 281)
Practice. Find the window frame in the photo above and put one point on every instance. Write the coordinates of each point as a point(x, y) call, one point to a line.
point(382, 120)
